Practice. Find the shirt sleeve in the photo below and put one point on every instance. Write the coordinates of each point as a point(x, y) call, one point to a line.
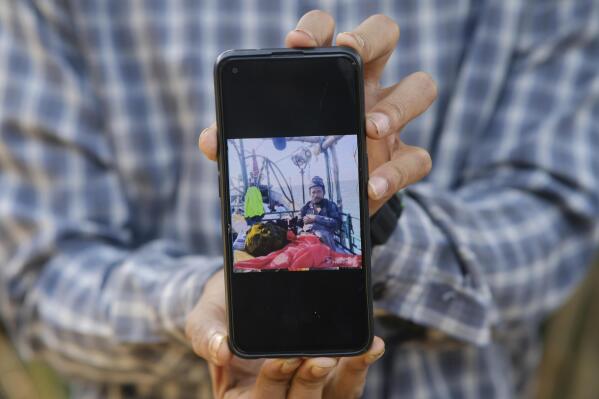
point(332, 220)
point(303, 211)
point(514, 235)
point(75, 287)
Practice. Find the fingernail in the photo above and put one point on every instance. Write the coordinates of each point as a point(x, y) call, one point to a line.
point(380, 121)
point(203, 135)
point(356, 37)
point(373, 357)
point(289, 365)
point(200, 136)
point(324, 366)
point(214, 344)
point(306, 33)
point(378, 186)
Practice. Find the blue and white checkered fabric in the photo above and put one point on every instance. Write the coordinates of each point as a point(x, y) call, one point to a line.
point(109, 214)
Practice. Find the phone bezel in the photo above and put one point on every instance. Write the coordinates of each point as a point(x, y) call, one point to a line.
point(262, 54)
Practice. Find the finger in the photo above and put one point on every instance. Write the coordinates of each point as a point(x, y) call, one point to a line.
point(208, 142)
point(408, 164)
point(206, 328)
point(374, 39)
point(402, 103)
point(220, 380)
point(208, 336)
point(275, 377)
point(314, 29)
point(350, 375)
point(310, 379)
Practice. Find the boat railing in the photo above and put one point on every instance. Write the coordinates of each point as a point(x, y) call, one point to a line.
point(345, 236)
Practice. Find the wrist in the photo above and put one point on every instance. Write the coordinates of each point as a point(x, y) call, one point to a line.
point(384, 221)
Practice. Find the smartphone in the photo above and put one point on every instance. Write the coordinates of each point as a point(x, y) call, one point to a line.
point(292, 174)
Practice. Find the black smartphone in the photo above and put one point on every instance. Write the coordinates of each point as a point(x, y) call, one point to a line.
point(292, 173)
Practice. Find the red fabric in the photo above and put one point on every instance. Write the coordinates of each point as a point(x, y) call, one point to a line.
point(303, 252)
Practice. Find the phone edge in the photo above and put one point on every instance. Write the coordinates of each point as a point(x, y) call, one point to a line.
point(221, 60)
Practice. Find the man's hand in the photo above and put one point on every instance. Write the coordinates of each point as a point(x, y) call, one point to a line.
point(272, 378)
point(393, 165)
point(308, 219)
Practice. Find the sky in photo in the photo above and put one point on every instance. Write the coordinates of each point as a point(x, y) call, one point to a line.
point(346, 155)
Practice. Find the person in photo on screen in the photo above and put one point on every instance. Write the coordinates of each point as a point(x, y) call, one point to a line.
point(320, 216)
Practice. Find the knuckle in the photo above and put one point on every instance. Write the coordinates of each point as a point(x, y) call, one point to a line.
point(397, 112)
point(357, 367)
point(318, 13)
point(387, 25)
point(318, 23)
point(199, 342)
point(322, 17)
point(329, 20)
point(310, 383)
point(194, 334)
point(277, 380)
point(189, 329)
point(199, 336)
point(426, 83)
point(398, 178)
point(367, 48)
point(425, 161)
point(385, 22)
point(197, 345)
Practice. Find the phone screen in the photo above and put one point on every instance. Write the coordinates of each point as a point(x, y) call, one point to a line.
point(292, 164)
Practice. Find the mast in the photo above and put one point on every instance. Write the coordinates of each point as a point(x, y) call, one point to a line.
point(244, 173)
point(336, 178)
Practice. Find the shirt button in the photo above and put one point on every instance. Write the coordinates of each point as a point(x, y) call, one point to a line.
point(378, 290)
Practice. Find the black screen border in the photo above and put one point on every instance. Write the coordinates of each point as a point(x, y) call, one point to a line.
point(366, 298)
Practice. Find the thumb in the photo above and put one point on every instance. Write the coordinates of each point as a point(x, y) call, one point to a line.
point(206, 326)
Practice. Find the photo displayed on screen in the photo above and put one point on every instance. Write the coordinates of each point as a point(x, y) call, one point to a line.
point(295, 203)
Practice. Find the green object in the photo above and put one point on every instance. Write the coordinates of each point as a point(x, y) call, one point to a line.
point(253, 203)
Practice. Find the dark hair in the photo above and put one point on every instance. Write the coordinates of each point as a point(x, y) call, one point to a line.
point(316, 182)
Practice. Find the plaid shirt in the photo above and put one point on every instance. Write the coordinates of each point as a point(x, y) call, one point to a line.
point(109, 214)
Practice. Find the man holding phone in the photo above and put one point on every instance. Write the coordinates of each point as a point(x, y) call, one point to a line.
point(326, 377)
point(390, 171)
point(108, 215)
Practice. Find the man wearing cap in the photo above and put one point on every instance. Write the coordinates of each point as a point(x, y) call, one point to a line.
point(321, 216)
